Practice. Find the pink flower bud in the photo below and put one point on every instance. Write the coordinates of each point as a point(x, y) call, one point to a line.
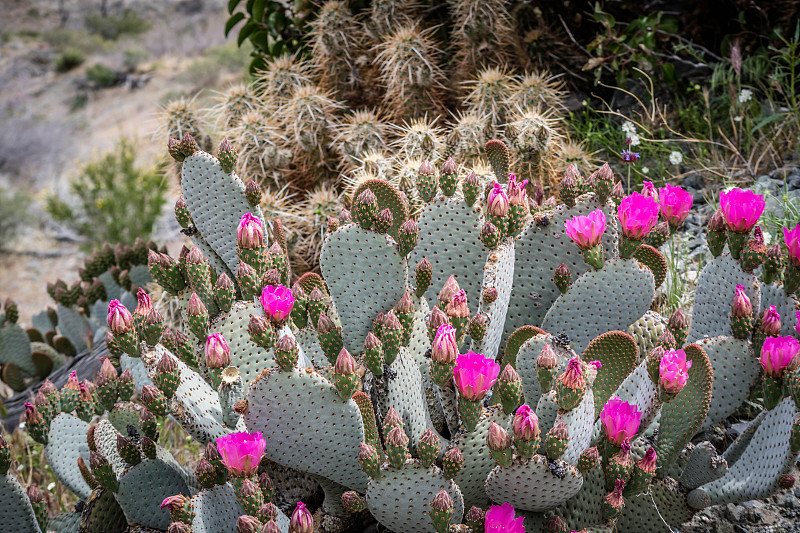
point(620, 420)
point(674, 371)
point(449, 289)
point(277, 302)
point(242, 452)
point(196, 307)
point(72, 381)
point(649, 190)
point(615, 498)
point(498, 201)
point(32, 415)
point(791, 238)
point(437, 318)
point(474, 375)
point(516, 191)
point(345, 364)
point(442, 501)
point(741, 209)
point(501, 519)
point(218, 353)
point(509, 375)
point(777, 354)
point(397, 437)
point(174, 503)
point(741, 303)
point(587, 231)
point(445, 348)
point(547, 358)
point(637, 215)
point(250, 234)
point(497, 439)
point(302, 521)
point(526, 423)
point(572, 376)
point(143, 305)
point(458, 305)
point(771, 321)
point(119, 318)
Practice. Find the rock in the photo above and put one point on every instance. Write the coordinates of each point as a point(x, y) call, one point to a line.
point(788, 501)
point(734, 512)
point(693, 182)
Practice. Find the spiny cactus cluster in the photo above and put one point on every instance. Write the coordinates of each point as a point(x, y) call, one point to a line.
point(377, 96)
point(471, 368)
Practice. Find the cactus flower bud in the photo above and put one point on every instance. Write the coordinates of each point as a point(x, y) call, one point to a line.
point(119, 318)
point(423, 273)
point(218, 353)
point(674, 371)
point(247, 524)
point(490, 235)
point(614, 498)
point(573, 376)
point(516, 192)
point(741, 303)
point(383, 220)
point(302, 521)
point(143, 304)
point(344, 217)
point(195, 307)
point(445, 348)
point(397, 437)
point(195, 256)
point(771, 322)
point(449, 289)
point(497, 438)
point(442, 501)
point(526, 424)
point(250, 233)
point(458, 308)
point(498, 203)
point(547, 358)
point(32, 415)
point(437, 319)
point(452, 462)
point(471, 187)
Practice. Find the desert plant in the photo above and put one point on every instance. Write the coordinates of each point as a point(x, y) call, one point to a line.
point(68, 59)
point(14, 205)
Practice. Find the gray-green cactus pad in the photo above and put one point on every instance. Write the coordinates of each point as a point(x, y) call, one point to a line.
point(585, 507)
point(478, 462)
point(138, 371)
point(209, 253)
point(639, 513)
point(739, 446)
point(703, 465)
point(217, 202)
point(216, 511)
point(67, 442)
point(143, 487)
point(531, 486)
point(103, 514)
point(766, 458)
point(65, 523)
point(604, 300)
point(42, 322)
point(105, 438)
point(365, 276)
point(307, 426)
point(713, 297)
point(308, 342)
point(448, 238)
point(547, 411)
point(73, 326)
point(580, 422)
point(785, 305)
point(736, 370)
point(15, 347)
point(498, 274)
point(246, 355)
point(539, 251)
point(16, 513)
point(400, 499)
point(526, 365)
point(646, 331)
point(639, 390)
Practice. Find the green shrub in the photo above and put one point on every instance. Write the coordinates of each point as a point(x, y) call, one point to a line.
point(116, 201)
point(134, 56)
point(13, 213)
point(101, 75)
point(112, 27)
point(68, 59)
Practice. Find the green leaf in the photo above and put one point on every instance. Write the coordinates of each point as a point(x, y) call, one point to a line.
point(668, 71)
point(777, 117)
point(259, 10)
point(233, 21)
point(232, 5)
point(245, 32)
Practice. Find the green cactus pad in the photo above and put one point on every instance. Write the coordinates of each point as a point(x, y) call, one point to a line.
point(594, 305)
point(124, 414)
point(217, 202)
point(138, 371)
point(365, 276)
point(477, 460)
point(13, 377)
point(785, 304)
point(73, 326)
point(442, 223)
point(217, 264)
point(531, 486)
point(388, 198)
point(42, 322)
point(498, 273)
point(67, 442)
point(585, 507)
point(617, 351)
point(580, 423)
point(143, 487)
point(640, 390)
point(515, 341)
point(400, 499)
point(103, 513)
point(15, 347)
point(527, 369)
point(646, 331)
point(246, 355)
point(639, 513)
point(105, 438)
point(306, 425)
point(703, 465)
point(654, 260)
point(65, 523)
point(716, 286)
point(736, 370)
point(16, 513)
point(754, 475)
point(539, 251)
point(311, 351)
point(56, 356)
point(681, 417)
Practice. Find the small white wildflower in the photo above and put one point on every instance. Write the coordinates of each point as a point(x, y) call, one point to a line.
point(629, 128)
point(51, 486)
point(20, 468)
point(22, 425)
point(745, 96)
point(737, 119)
point(676, 158)
point(645, 170)
point(634, 140)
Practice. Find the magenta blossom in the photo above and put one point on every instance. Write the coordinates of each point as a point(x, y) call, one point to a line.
point(620, 420)
point(242, 452)
point(526, 423)
point(797, 326)
point(674, 371)
point(278, 302)
point(120, 320)
point(629, 157)
point(587, 231)
point(497, 204)
point(218, 353)
point(474, 375)
point(173, 503)
point(250, 234)
point(777, 354)
point(638, 215)
point(791, 238)
point(675, 204)
point(741, 209)
point(501, 519)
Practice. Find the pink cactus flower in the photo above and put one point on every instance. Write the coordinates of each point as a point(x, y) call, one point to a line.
point(173, 503)
point(620, 420)
point(498, 201)
point(218, 353)
point(791, 238)
point(526, 423)
point(242, 452)
point(474, 375)
point(741, 303)
point(587, 231)
point(674, 371)
point(278, 302)
point(250, 234)
point(516, 191)
point(771, 321)
point(777, 354)
point(741, 209)
point(501, 519)
point(120, 320)
point(638, 215)
point(596, 364)
point(649, 190)
point(675, 204)
point(797, 326)
point(445, 347)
